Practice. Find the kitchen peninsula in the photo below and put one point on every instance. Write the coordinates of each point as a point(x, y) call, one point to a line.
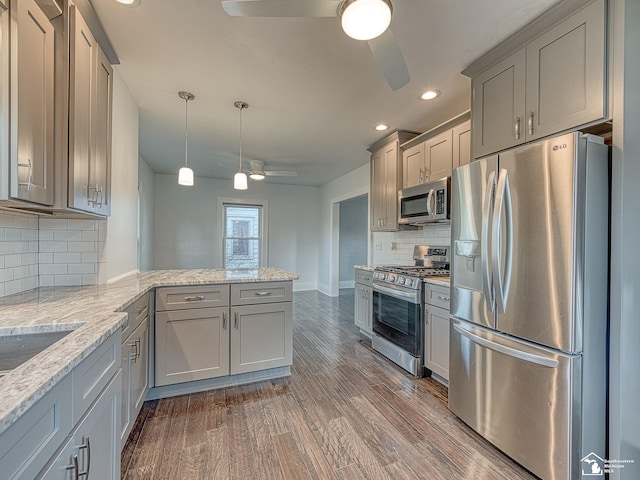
point(46, 401)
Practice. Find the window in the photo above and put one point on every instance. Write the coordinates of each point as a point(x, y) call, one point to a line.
point(243, 243)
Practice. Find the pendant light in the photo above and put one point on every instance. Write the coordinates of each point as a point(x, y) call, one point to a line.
point(240, 178)
point(365, 19)
point(185, 175)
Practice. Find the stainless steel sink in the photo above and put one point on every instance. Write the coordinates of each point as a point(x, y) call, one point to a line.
point(17, 349)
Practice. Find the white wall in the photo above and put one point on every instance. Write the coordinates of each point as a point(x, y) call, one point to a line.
point(146, 183)
point(354, 237)
point(120, 253)
point(353, 184)
point(186, 225)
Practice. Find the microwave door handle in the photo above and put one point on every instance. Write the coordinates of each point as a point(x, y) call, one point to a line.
point(429, 200)
point(487, 282)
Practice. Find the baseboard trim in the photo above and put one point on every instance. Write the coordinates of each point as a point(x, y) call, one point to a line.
point(347, 284)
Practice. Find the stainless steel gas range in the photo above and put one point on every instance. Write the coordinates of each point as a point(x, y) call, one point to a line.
point(398, 306)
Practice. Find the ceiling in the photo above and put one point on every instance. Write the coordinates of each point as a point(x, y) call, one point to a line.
point(314, 94)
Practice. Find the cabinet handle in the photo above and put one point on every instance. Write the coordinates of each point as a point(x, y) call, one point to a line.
point(421, 177)
point(224, 320)
point(74, 466)
point(29, 181)
point(263, 294)
point(440, 297)
point(197, 298)
point(133, 355)
point(517, 128)
point(530, 123)
point(86, 446)
point(138, 349)
point(235, 320)
point(141, 308)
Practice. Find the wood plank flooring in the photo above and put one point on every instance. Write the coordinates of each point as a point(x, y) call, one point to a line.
point(345, 413)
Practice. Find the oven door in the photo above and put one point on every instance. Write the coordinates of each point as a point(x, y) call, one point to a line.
point(397, 317)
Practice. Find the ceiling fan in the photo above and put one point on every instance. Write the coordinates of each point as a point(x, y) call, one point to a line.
point(361, 19)
point(257, 171)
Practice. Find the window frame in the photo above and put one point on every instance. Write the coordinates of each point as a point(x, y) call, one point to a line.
point(223, 202)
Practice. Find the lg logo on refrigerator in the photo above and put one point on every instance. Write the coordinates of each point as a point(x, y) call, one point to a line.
point(559, 147)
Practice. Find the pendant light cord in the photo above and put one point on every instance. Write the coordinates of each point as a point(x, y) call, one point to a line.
point(186, 131)
point(240, 168)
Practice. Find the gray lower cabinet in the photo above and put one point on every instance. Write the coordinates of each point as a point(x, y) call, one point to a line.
point(261, 337)
point(93, 450)
point(191, 344)
point(135, 376)
point(436, 317)
point(363, 301)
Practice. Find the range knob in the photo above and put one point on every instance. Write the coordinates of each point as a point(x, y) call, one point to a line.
point(390, 278)
point(401, 280)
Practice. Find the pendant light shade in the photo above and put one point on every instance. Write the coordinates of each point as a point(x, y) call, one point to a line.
point(365, 19)
point(240, 179)
point(185, 174)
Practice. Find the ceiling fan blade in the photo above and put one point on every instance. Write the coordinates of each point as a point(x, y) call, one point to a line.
point(390, 60)
point(281, 173)
point(281, 8)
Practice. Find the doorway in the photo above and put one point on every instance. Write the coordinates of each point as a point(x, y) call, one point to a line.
point(353, 238)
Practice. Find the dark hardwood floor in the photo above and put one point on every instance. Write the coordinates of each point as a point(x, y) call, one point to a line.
point(345, 413)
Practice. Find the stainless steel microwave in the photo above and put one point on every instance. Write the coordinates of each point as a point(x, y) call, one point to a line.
point(425, 203)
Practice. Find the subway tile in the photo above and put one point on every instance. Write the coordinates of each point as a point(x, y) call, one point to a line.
point(2, 229)
point(2, 294)
point(6, 220)
point(20, 247)
point(34, 270)
point(27, 235)
point(12, 234)
point(6, 248)
point(89, 279)
point(6, 274)
point(53, 246)
point(89, 257)
point(29, 283)
point(89, 236)
point(54, 269)
point(53, 224)
point(20, 272)
point(1, 261)
point(81, 246)
point(78, 224)
point(45, 257)
point(67, 280)
point(45, 235)
point(21, 221)
point(33, 247)
point(46, 280)
point(14, 260)
point(34, 223)
point(74, 257)
point(67, 235)
point(81, 268)
point(14, 286)
point(29, 258)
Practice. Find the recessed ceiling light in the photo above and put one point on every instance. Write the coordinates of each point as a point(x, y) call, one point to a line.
point(382, 127)
point(129, 3)
point(430, 94)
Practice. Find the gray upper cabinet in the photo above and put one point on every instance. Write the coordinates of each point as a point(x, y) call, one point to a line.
point(438, 153)
point(413, 166)
point(31, 89)
point(90, 91)
point(386, 180)
point(551, 82)
point(461, 144)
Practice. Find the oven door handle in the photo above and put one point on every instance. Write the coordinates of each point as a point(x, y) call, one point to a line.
point(411, 297)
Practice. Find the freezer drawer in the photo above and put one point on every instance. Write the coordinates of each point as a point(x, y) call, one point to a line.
point(519, 397)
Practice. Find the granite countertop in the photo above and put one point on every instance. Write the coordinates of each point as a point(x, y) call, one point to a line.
point(93, 313)
point(368, 268)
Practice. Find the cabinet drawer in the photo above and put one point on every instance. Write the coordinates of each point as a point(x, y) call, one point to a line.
point(437, 295)
point(137, 312)
point(180, 298)
point(252, 293)
point(93, 374)
point(30, 442)
point(365, 277)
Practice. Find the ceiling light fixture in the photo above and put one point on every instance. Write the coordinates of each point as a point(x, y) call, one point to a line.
point(382, 127)
point(240, 178)
point(365, 19)
point(129, 3)
point(185, 175)
point(430, 94)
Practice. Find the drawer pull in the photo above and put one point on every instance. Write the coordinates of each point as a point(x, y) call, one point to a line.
point(440, 297)
point(86, 446)
point(197, 298)
point(263, 294)
point(224, 320)
point(141, 308)
point(74, 467)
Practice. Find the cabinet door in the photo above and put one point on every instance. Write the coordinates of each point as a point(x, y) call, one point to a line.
point(32, 103)
point(498, 106)
point(359, 312)
point(377, 191)
point(127, 357)
point(438, 153)
point(191, 345)
point(368, 310)
point(100, 166)
point(566, 74)
point(139, 372)
point(437, 340)
point(82, 84)
point(413, 166)
point(391, 186)
point(261, 337)
point(95, 446)
point(462, 144)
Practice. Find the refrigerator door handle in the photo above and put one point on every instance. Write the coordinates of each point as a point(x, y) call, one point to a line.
point(487, 283)
point(502, 200)
point(512, 352)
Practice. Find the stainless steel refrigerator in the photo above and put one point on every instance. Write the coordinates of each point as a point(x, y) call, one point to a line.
point(529, 302)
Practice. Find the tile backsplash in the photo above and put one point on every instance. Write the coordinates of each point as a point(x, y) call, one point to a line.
point(396, 248)
point(42, 251)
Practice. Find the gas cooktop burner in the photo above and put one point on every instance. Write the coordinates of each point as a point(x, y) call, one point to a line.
point(414, 271)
